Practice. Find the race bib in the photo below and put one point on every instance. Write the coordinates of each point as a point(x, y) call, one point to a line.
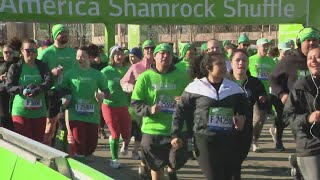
point(84, 108)
point(220, 119)
point(263, 75)
point(167, 104)
point(33, 104)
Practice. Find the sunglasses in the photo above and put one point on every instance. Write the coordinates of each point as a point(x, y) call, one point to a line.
point(151, 48)
point(32, 50)
point(246, 45)
point(7, 52)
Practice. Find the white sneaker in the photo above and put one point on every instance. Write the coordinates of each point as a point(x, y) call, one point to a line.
point(135, 155)
point(273, 133)
point(124, 149)
point(255, 147)
point(115, 164)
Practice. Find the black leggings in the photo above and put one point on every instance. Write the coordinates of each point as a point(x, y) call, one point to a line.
point(215, 156)
point(280, 125)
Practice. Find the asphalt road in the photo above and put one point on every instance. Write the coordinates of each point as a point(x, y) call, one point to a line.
point(269, 164)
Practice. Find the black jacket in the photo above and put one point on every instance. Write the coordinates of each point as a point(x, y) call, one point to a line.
point(287, 72)
point(297, 110)
point(12, 83)
point(197, 100)
point(254, 89)
point(4, 67)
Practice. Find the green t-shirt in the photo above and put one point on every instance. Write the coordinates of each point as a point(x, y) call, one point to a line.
point(153, 88)
point(261, 67)
point(104, 58)
point(83, 84)
point(184, 65)
point(65, 57)
point(118, 96)
point(29, 107)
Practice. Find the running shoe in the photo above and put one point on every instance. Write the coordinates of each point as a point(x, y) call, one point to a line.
point(172, 175)
point(255, 147)
point(135, 155)
point(279, 146)
point(115, 164)
point(124, 149)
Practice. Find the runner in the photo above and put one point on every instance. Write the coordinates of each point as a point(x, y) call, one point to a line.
point(60, 59)
point(27, 81)
point(129, 80)
point(244, 42)
point(115, 110)
point(186, 54)
point(288, 70)
point(203, 49)
point(154, 99)
point(260, 66)
point(5, 62)
point(135, 55)
point(255, 92)
point(302, 111)
point(80, 86)
point(215, 47)
point(217, 107)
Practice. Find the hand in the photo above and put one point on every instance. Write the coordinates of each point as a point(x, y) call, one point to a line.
point(107, 95)
point(155, 109)
point(176, 143)
point(70, 138)
point(66, 101)
point(314, 117)
point(177, 98)
point(284, 97)
point(3, 77)
point(262, 99)
point(239, 122)
point(99, 97)
point(56, 71)
point(34, 91)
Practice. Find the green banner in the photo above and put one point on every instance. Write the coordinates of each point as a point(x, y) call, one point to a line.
point(159, 12)
point(133, 35)
point(288, 31)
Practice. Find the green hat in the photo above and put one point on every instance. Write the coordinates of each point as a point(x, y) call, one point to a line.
point(243, 38)
point(307, 33)
point(203, 46)
point(148, 43)
point(183, 48)
point(284, 46)
point(58, 28)
point(163, 47)
point(126, 52)
point(262, 41)
point(226, 43)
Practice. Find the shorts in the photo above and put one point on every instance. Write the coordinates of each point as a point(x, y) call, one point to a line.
point(136, 131)
point(157, 152)
point(54, 104)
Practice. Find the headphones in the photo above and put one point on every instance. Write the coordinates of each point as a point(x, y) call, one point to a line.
point(298, 41)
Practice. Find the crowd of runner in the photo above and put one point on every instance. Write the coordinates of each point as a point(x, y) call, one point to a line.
point(208, 104)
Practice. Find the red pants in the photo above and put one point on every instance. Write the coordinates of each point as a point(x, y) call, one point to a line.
point(118, 121)
point(32, 128)
point(85, 136)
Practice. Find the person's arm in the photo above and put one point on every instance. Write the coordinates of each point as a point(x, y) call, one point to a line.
point(128, 81)
point(241, 111)
point(294, 112)
point(48, 77)
point(183, 114)
point(279, 79)
point(12, 82)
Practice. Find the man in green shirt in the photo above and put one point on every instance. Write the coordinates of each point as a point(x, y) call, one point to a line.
point(186, 54)
point(260, 66)
point(154, 98)
point(60, 59)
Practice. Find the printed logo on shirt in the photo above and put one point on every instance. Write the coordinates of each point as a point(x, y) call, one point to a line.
point(220, 119)
point(31, 77)
point(161, 87)
point(263, 71)
point(167, 104)
point(302, 73)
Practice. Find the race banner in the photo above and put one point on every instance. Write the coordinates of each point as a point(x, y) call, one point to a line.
point(288, 32)
point(158, 12)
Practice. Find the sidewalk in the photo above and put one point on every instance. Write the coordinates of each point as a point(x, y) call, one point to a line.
point(261, 166)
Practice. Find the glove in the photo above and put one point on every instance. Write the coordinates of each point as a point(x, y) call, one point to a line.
point(35, 91)
point(26, 92)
